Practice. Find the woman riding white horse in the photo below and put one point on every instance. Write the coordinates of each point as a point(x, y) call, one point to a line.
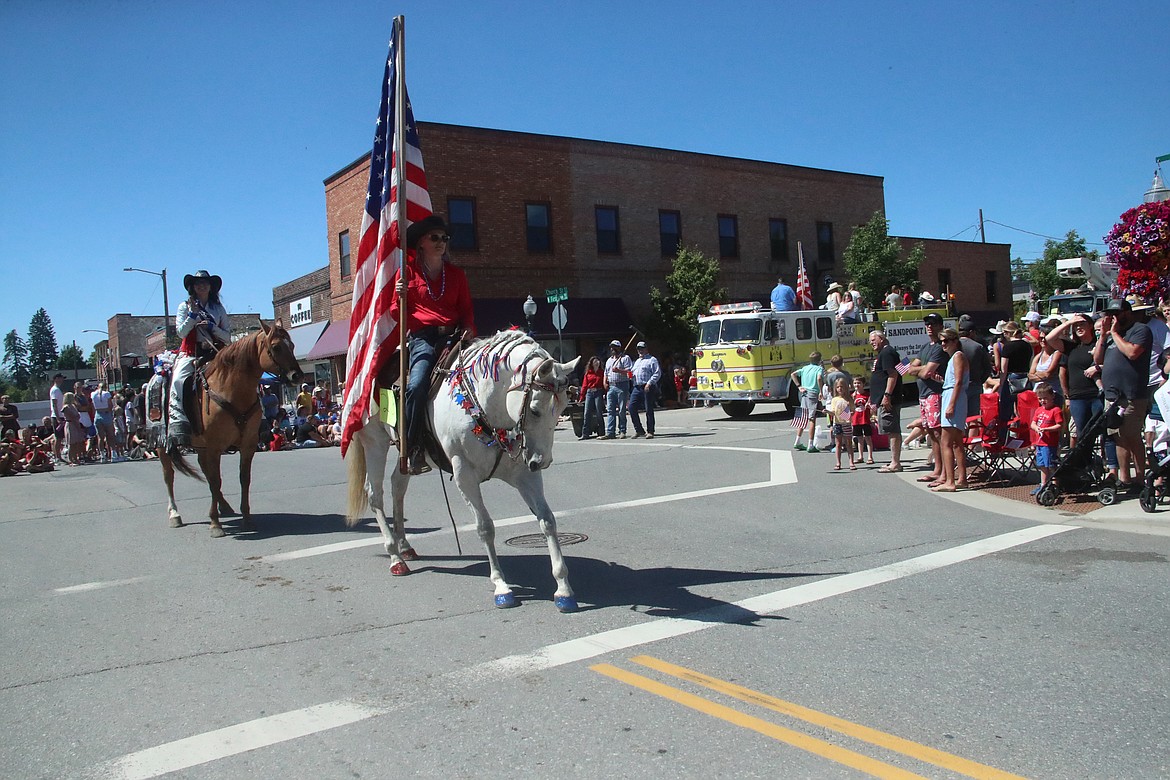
point(494, 420)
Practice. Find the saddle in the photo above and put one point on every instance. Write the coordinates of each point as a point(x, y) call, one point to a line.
point(197, 395)
point(388, 379)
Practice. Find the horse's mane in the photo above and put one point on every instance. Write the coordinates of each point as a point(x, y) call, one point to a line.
point(238, 355)
point(484, 357)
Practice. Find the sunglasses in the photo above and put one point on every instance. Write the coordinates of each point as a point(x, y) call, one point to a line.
point(439, 237)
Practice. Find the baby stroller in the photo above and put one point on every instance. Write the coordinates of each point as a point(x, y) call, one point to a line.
point(1157, 467)
point(1082, 469)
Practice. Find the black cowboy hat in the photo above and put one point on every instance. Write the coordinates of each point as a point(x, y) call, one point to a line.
point(415, 232)
point(190, 279)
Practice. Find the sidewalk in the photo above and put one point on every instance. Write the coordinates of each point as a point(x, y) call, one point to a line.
point(1126, 515)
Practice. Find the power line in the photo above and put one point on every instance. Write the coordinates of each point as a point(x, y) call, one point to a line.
point(964, 230)
point(1041, 235)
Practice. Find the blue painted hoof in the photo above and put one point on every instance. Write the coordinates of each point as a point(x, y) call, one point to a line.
point(565, 603)
point(506, 601)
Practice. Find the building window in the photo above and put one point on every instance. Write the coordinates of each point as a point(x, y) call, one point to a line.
point(461, 223)
point(778, 235)
point(343, 252)
point(944, 281)
point(728, 235)
point(825, 243)
point(539, 227)
point(609, 236)
point(669, 232)
point(992, 286)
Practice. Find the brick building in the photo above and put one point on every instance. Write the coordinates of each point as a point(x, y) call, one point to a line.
point(134, 342)
point(531, 212)
point(305, 307)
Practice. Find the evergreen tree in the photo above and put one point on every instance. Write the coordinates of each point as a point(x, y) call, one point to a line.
point(42, 345)
point(691, 287)
point(873, 260)
point(16, 359)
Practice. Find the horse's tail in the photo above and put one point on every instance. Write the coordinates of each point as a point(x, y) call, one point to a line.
point(359, 500)
point(181, 466)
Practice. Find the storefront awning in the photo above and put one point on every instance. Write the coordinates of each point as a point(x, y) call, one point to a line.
point(333, 342)
point(305, 338)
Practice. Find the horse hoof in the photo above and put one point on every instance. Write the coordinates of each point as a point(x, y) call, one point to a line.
point(399, 569)
point(565, 603)
point(409, 554)
point(218, 533)
point(176, 522)
point(506, 601)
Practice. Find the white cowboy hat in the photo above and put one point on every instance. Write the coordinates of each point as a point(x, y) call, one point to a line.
point(998, 329)
point(834, 286)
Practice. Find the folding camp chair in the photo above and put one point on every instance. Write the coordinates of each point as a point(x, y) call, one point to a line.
point(1021, 427)
point(979, 428)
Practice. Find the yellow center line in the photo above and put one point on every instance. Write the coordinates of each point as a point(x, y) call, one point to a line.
point(819, 747)
point(874, 737)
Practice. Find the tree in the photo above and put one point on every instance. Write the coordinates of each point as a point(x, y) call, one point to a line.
point(691, 287)
point(16, 359)
point(873, 260)
point(71, 358)
point(1042, 273)
point(42, 345)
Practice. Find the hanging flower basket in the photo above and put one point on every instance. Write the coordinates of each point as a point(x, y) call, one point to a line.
point(1140, 245)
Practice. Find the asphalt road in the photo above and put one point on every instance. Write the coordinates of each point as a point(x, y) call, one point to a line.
point(746, 612)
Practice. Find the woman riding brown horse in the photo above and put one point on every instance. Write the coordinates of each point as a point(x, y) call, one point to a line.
point(229, 416)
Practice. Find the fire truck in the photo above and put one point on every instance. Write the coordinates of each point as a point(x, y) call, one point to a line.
point(746, 352)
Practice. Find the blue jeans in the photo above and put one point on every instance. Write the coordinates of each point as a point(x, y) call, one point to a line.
point(640, 399)
point(1082, 410)
point(421, 359)
point(617, 399)
point(594, 412)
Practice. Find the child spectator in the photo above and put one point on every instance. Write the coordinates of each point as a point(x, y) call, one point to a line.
point(862, 425)
point(1046, 424)
point(840, 413)
point(809, 381)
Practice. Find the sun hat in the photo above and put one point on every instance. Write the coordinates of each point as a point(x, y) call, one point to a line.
point(834, 286)
point(1138, 303)
point(998, 329)
point(190, 279)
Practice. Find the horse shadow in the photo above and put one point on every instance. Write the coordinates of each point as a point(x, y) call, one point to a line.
point(277, 525)
point(657, 591)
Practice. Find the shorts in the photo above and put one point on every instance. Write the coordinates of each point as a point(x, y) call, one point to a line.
point(863, 429)
point(91, 432)
point(930, 410)
point(1045, 456)
point(809, 402)
point(1133, 420)
point(889, 423)
point(842, 429)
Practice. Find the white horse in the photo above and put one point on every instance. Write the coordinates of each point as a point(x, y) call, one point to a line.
point(494, 417)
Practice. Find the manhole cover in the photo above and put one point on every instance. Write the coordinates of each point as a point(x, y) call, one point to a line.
point(537, 540)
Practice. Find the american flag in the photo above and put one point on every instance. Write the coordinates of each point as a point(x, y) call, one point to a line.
point(372, 332)
point(804, 298)
point(902, 366)
point(800, 419)
point(105, 363)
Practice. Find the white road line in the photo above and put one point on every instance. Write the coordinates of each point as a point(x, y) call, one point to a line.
point(232, 740)
point(782, 471)
point(88, 586)
point(202, 748)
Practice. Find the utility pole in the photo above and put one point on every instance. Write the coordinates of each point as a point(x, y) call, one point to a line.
point(982, 235)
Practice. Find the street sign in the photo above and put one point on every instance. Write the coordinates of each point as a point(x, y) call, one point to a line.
point(559, 317)
point(557, 294)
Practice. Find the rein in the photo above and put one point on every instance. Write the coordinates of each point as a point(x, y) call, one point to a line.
point(240, 418)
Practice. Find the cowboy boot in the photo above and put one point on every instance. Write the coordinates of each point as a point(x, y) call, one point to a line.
point(179, 428)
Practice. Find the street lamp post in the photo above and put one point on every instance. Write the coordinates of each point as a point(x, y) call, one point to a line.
point(529, 313)
point(168, 325)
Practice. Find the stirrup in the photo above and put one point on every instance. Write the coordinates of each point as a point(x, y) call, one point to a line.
point(417, 462)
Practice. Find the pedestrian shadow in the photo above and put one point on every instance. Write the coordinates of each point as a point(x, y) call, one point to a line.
point(658, 591)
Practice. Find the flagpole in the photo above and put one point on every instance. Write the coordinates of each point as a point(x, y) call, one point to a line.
point(400, 222)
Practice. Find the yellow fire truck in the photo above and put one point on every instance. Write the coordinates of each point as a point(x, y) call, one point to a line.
point(747, 352)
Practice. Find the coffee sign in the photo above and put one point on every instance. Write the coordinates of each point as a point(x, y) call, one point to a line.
point(300, 312)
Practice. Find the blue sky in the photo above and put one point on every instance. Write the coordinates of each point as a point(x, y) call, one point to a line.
point(192, 135)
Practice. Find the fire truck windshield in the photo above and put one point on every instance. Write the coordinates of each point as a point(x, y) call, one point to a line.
point(730, 331)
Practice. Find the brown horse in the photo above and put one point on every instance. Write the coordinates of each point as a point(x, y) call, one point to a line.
point(229, 416)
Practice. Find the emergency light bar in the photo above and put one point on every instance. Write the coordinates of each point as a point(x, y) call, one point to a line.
point(731, 308)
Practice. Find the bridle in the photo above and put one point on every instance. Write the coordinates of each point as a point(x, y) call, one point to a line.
point(510, 440)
